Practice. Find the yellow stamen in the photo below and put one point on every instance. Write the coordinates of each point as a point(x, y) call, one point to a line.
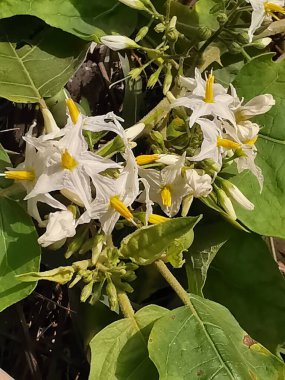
point(156, 219)
point(251, 142)
point(20, 175)
point(166, 198)
point(270, 8)
point(73, 110)
point(209, 93)
point(145, 159)
point(228, 144)
point(122, 209)
point(67, 161)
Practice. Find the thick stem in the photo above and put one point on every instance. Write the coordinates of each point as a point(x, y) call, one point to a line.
point(165, 272)
point(125, 305)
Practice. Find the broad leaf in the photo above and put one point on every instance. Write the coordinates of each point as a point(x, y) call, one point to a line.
point(19, 252)
point(120, 350)
point(204, 341)
point(261, 76)
point(4, 163)
point(244, 277)
point(86, 19)
point(147, 244)
point(41, 65)
point(203, 251)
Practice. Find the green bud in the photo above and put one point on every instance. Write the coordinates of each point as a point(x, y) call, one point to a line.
point(243, 38)
point(225, 202)
point(186, 204)
point(76, 279)
point(112, 295)
point(98, 244)
point(77, 241)
point(159, 28)
point(136, 72)
point(126, 287)
point(129, 276)
point(235, 48)
point(131, 266)
point(261, 43)
point(142, 33)
point(81, 265)
point(60, 275)
point(96, 293)
point(222, 18)
point(154, 77)
point(204, 32)
point(86, 291)
point(168, 79)
point(86, 246)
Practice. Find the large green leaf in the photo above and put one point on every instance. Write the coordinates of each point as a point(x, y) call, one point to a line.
point(41, 65)
point(203, 251)
point(120, 350)
point(19, 252)
point(204, 341)
point(147, 244)
point(245, 278)
point(261, 76)
point(86, 19)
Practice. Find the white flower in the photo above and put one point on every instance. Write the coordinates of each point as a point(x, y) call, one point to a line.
point(199, 185)
point(70, 166)
point(261, 10)
point(167, 187)
point(28, 172)
point(166, 159)
point(119, 42)
point(61, 224)
point(207, 98)
point(114, 196)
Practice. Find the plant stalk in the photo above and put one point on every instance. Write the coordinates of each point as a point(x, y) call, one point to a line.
point(125, 305)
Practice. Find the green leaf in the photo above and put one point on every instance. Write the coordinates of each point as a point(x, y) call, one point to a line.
point(204, 341)
point(261, 76)
point(4, 163)
point(120, 350)
point(40, 66)
point(19, 252)
point(147, 244)
point(203, 251)
point(245, 278)
point(86, 19)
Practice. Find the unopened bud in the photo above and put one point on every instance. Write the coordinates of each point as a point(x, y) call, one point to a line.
point(262, 43)
point(49, 122)
point(222, 18)
point(77, 241)
point(154, 77)
point(97, 247)
point(119, 42)
point(225, 202)
point(233, 192)
point(86, 291)
point(96, 292)
point(159, 28)
point(136, 72)
point(186, 204)
point(141, 33)
point(126, 287)
point(129, 276)
point(235, 48)
point(112, 295)
point(204, 32)
point(168, 79)
point(243, 38)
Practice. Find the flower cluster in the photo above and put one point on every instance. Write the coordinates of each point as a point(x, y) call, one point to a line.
point(83, 183)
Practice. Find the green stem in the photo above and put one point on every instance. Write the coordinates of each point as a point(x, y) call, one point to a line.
point(125, 305)
point(165, 272)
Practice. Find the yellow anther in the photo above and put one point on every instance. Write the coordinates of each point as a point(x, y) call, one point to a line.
point(228, 144)
point(166, 198)
point(270, 8)
point(20, 175)
point(73, 110)
point(67, 161)
point(209, 93)
point(251, 142)
point(145, 159)
point(122, 209)
point(156, 219)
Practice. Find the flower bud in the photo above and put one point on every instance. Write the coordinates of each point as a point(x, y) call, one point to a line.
point(97, 247)
point(141, 33)
point(186, 204)
point(204, 33)
point(119, 42)
point(233, 192)
point(222, 18)
point(135, 4)
point(154, 77)
point(49, 122)
point(243, 38)
point(112, 295)
point(96, 292)
point(77, 241)
point(235, 48)
point(225, 202)
point(262, 43)
point(159, 28)
point(168, 79)
point(136, 72)
point(86, 291)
